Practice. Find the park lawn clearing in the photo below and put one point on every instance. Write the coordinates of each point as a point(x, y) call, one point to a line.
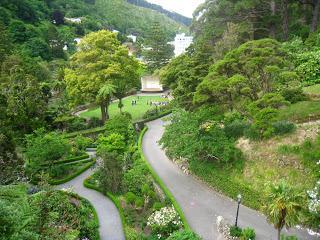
point(304, 111)
point(136, 111)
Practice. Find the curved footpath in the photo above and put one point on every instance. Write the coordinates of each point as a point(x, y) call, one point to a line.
point(109, 219)
point(200, 204)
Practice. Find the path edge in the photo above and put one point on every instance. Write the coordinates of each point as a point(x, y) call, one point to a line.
point(161, 183)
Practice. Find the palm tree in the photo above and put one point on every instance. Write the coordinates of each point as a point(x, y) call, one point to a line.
point(283, 206)
point(104, 98)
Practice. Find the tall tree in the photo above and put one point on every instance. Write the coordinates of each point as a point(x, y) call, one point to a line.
point(283, 206)
point(159, 50)
point(99, 61)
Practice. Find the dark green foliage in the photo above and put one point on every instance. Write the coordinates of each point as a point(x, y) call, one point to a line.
point(40, 215)
point(45, 148)
point(283, 127)
point(236, 128)
point(134, 178)
point(130, 197)
point(70, 123)
point(7, 221)
point(160, 51)
point(111, 172)
point(184, 235)
point(235, 231)
point(209, 141)
point(293, 95)
point(94, 122)
point(120, 124)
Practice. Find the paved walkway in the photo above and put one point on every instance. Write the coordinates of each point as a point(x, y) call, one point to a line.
point(109, 218)
point(201, 204)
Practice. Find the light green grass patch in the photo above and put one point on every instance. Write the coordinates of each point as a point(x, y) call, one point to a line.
point(314, 89)
point(301, 111)
point(136, 111)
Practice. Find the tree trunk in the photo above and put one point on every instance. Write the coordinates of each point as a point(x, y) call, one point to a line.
point(120, 105)
point(107, 110)
point(273, 14)
point(285, 20)
point(279, 233)
point(315, 15)
point(103, 112)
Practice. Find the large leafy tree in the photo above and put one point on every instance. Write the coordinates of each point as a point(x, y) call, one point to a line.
point(159, 51)
point(250, 71)
point(283, 206)
point(100, 61)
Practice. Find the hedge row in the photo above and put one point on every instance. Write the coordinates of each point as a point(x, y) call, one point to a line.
point(68, 160)
point(161, 183)
point(98, 130)
point(72, 176)
point(86, 132)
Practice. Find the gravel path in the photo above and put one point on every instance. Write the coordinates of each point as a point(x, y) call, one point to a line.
point(201, 204)
point(109, 218)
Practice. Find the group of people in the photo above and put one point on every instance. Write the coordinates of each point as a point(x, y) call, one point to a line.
point(157, 103)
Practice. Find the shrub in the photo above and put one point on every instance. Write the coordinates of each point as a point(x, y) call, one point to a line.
point(80, 143)
point(42, 148)
point(130, 197)
point(94, 122)
point(283, 127)
point(164, 222)
point(236, 128)
point(8, 221)
point(120, 124)
point(70, 123)
point(139, 202)
point(111, 172)
point(112, 143)
point(235, 231)
point(184, 235)
point(294, 95)
point(248, 234)
point(283, 237)
point(157, 206)
point(134, 179)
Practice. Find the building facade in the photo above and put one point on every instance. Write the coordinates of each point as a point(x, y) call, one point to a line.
point(181, 43)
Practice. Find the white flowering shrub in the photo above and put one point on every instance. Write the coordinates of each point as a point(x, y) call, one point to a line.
point(164, 222)
point(314, 199)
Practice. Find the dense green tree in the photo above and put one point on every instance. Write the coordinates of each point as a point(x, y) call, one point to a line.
point(160, 51)
point(111, 172)
point(26, 103)
point(283, 206)
point(101, 60)
point(248, 71)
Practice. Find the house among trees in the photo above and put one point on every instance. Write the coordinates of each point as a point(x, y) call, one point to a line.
point(181, 43)
point(151, 83)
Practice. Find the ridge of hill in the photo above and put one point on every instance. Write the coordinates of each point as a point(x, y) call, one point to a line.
point(173, 15)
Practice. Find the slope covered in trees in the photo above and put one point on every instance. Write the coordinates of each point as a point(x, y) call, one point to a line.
point(173, 15)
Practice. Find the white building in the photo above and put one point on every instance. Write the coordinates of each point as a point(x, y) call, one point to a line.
point(151, 83)
point(181, 43)
point(132, 37)
point(73, 20)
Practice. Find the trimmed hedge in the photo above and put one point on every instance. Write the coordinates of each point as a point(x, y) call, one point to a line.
point(72, 176)
point(98, 130)
point(86, 132)
point(161, 183)
point(68, 160)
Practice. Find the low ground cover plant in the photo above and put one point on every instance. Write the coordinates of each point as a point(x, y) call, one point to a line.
point(32, 213)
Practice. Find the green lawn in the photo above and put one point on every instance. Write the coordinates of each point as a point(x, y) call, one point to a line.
point(301, 111)
point(136, 111)
point(315, 89)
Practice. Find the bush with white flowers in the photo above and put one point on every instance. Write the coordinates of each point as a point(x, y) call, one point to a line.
point(164, 222)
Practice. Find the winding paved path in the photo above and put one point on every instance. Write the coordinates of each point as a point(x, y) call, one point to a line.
point(109, 218)
point(201, 204)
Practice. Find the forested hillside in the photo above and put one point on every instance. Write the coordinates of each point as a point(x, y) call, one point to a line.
point(173, 15)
